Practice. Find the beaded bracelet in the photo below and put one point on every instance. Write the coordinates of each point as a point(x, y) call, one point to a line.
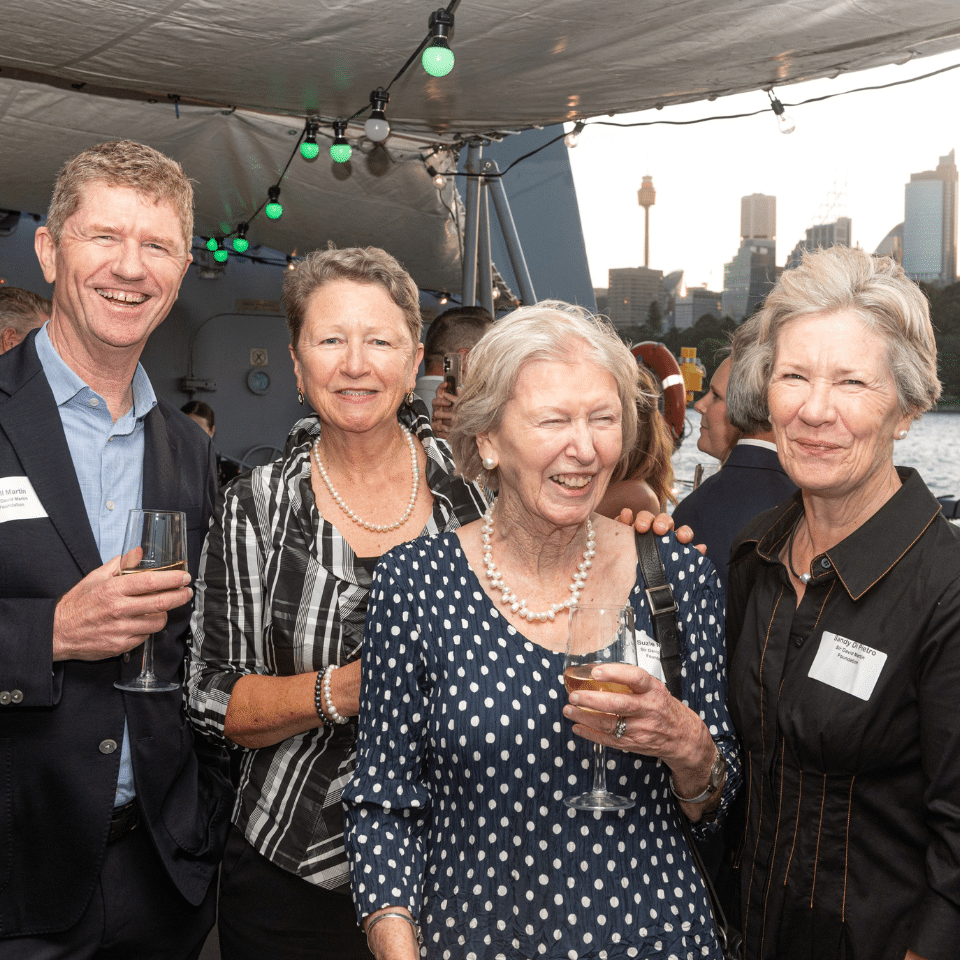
point(318, 699)
point(398, 916)
point(331, 710)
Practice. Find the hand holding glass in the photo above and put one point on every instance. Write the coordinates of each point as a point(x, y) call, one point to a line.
point(155, 540)
point(598, 635)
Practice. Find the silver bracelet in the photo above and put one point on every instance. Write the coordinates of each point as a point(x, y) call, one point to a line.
point(330, 709)
point(398, 916)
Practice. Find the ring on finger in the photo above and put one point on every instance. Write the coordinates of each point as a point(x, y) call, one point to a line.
point(621, 728)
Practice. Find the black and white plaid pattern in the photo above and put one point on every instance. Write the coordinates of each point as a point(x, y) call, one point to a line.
point(281, 593)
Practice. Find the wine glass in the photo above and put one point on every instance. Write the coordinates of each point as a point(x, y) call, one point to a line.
point(155, 540)
point(598, 635)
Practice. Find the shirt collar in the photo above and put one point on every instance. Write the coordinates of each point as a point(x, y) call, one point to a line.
point(766, 444)
point(874, 548)
point(66, 384)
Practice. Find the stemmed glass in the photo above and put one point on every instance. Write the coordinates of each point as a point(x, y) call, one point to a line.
point(598, 635)
point(155, 540)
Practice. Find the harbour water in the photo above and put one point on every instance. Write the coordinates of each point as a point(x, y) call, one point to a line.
point(932, 447)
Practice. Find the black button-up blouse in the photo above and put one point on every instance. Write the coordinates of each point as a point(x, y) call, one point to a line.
point(848, 844)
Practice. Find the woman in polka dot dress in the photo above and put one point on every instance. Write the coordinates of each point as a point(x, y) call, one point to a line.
point(455, 823)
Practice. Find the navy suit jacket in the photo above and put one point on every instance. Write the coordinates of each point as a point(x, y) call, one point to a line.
point(750, 482)
point(62, 724)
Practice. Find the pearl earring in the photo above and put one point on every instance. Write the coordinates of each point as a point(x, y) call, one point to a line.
point(300, 397)
point(902, 434)
point(488, 463)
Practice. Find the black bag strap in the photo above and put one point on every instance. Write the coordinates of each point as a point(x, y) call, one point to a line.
point(663, 609)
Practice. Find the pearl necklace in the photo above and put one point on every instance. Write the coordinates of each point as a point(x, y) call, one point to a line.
point(375, 527)
point(519, 605)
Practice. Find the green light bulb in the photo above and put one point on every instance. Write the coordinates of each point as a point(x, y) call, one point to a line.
point(273, 210)
point(341, 152)
point(221, 255)
point(212, 244)
point(241, 244)
point(438, 59)
point(309, 149)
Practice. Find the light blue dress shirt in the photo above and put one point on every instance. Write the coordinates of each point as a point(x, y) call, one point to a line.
point(108, 460)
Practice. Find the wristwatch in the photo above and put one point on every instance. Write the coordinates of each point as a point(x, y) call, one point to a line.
point(717, 771)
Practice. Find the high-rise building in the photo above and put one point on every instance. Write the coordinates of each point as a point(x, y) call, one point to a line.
point(749, 277)
point(892, 244)
point(930, 224)
point(697, 301)
point(823, 235)
point(630, 291)
point(758, 217)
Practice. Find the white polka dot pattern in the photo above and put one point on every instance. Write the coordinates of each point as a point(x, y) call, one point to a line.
point(464, 758)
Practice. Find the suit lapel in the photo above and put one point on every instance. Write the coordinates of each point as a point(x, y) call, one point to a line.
point(31, 421)
point(161, 482)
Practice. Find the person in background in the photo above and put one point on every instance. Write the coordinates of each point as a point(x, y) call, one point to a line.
point(283, 590)
point(844, 620)
point(454, 331)
point(751, 480)
point(648, 484)
point(20, 312)
point(202, 415)
point(718, 436)
point(114, 816)
point(456, 826)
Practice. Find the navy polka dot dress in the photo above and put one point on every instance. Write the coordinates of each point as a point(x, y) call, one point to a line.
point(464, 758)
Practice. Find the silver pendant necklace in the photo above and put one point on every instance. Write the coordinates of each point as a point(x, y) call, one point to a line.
point(804, 578)
point(375, 527)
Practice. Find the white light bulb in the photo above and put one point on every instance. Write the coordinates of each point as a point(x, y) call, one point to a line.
point(377, 128)
point(785, 123)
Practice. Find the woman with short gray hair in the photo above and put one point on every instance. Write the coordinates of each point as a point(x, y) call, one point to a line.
point(456, 824)
point(845, 608)
point(283, 590)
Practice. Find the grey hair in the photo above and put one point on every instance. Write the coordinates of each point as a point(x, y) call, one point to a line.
point(742, 409)
point(549, 330)
point(830, 281)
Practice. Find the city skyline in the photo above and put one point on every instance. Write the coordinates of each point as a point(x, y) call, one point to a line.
point(860, 150)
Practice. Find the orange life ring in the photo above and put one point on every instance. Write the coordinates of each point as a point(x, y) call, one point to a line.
point(664, 364)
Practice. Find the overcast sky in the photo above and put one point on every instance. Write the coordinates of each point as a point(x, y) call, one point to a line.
point(863, 147)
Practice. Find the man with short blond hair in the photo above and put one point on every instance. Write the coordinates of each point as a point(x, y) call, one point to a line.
point(114, 817)
point(20, 312)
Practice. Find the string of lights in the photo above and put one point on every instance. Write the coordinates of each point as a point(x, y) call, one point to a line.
point(572, 138)
point(436, 58)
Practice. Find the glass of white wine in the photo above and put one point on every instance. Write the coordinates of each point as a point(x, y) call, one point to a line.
point(598, 635)
point(155, 540)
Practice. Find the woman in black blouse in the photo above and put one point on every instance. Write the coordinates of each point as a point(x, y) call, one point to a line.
point(846, 601)
point(283, 590)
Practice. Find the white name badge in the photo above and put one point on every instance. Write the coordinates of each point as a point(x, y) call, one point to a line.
point(847, 665)
point(18, 500)
point(648, 654)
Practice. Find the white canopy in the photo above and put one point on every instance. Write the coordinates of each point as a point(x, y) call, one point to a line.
point(247, 74)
